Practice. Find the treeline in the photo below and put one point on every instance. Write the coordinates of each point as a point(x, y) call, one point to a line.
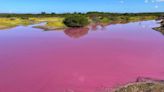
point(89, 14)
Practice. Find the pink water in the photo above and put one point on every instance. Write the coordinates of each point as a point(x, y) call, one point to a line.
point(33, 60)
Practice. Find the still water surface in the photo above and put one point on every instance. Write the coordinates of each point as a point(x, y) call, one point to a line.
point(79, 60)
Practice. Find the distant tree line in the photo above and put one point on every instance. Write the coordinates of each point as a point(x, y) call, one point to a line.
point(88, 14)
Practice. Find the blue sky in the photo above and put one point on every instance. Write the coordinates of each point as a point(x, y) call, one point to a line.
point(61, 6)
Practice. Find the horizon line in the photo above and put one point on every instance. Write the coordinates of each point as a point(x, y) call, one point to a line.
point(75, 12)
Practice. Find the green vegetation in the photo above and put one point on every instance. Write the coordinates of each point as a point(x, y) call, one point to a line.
point(76, 21)
point(52, 23)
point(12, 22)
point(55, 21)
point(101, 17)
point(105, 20)
point(55, 24)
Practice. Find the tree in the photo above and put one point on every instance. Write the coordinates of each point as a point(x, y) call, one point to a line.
point(53, 13)
point(43, 13)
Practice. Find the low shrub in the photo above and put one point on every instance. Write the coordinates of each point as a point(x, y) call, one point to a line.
point(76, 21)
point(105, 20)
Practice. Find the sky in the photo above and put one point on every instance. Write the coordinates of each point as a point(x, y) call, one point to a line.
point(63, 6)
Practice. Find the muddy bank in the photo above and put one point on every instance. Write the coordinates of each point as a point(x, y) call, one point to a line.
point(143, 85)
point(47, 28)
point(5, 27)
point(159, 29)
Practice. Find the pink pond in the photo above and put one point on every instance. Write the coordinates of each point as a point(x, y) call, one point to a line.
point(89, 60)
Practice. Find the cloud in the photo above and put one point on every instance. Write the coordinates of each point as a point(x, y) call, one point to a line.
point(146, 1)
point(156, 6)
point(153, 1)
point(160, 0)
point(122, 2)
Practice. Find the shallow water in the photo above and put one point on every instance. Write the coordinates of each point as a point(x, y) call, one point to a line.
point(89, 60)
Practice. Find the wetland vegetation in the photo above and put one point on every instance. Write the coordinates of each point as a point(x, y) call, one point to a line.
point(62, 21)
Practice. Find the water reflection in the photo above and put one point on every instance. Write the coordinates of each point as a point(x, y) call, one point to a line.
point(76, 32)
point(97, 27)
